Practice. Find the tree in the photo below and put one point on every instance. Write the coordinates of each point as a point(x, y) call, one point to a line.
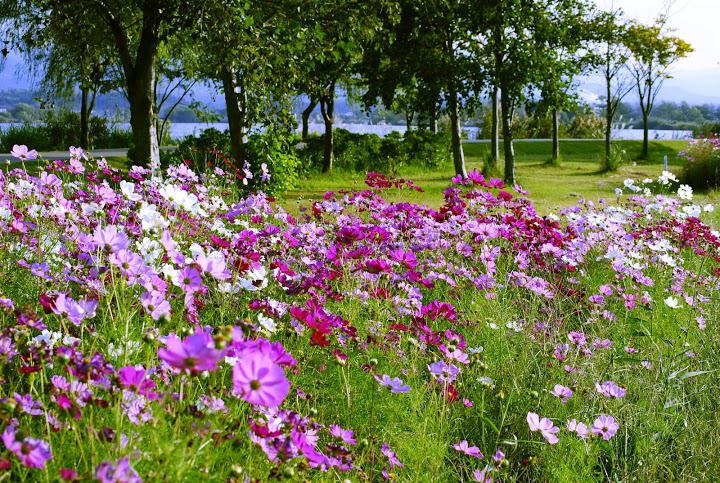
point(134, 30)
point(441, 73)
point(334, 35)
point(612, 56)
point(653, 52)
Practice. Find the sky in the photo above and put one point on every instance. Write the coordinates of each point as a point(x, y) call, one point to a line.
point(696, 79)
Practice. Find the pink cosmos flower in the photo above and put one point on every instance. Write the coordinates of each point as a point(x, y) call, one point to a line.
point(195, 353)
point(21, 152)
point(545, 426)
point(605, 426)
point(482, 476)
point(578, 428)
point(610, 389)
point(464, 447)
point(31, 452)
point(110, 239)
point(260, 381)
point(346, 435)
point(562, 392)
point(156, 305)
point(391, 456)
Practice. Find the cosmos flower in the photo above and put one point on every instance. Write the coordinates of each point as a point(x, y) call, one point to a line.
point(21, 152)
point(395, 384)
point(545, 426)
point(464, 447)
point(195, 353)
point(605, 426)
point(562, 392)
point(31, 452)
point(260, 381)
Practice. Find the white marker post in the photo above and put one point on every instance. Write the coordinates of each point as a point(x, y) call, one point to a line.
point(665, 163)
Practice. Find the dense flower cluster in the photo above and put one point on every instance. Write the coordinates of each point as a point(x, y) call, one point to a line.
point(152, 294)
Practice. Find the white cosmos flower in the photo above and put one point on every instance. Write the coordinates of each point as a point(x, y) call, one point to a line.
point(672, 302)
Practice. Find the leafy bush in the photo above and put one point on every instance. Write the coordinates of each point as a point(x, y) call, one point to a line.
point(273, 148)
point(707, 130)
point(618, 157)
point(369, 152)
point(60, 129)
point(702, 166)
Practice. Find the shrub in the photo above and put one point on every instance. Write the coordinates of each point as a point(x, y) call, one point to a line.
point(702, 163)
point(271, 147)
point(618, 157)
point(60, 129)
point(369, 152)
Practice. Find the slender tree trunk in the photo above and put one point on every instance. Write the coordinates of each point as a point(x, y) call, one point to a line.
point(327, 108)
point(236, 119)
point(508, 148)
point(609, 111)
point(457, 149)
point(556, 136)
point(84, 119)
point(646, 133)
point(433, 118)
point(306, 118)
point(494, 131)
point(409, 115)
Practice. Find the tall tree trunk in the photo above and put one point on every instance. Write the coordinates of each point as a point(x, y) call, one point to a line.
point(457, 149)
point(646, 133)
point(556, 136)
point(609, 111)
point(236, 118)
point(327, 108)
point(433, 121)
point(409, 115)
point(306, 118)
point(506, 106)
point(84, 118)
point(494, 131)
point(142, 105)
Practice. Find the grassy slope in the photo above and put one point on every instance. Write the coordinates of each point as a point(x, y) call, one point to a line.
point(550, 187)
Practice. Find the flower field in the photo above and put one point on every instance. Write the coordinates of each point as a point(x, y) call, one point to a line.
point(164, 326)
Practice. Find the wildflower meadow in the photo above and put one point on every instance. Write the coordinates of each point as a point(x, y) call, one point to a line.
point(168, 325)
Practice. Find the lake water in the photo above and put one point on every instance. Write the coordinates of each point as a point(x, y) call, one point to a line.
point(182, 130)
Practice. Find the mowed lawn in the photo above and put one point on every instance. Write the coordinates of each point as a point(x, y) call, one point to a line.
point(550, 187)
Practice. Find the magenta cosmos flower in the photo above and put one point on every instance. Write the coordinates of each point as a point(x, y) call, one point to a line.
point(195, 353)
point(260, 381)
point(31, 452)
point(545, 426)
point(464, 447)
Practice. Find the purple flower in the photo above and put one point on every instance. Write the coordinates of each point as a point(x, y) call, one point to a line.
point(344, 434)
point(464, 447)
point(391, 456)
point(545, 426)
point(190, 280)
point(28, 404)
point(31, 452)
point(120, 472)
point(443, 372)
point(610, 389)
point(395, 384)
point(578, 428)
point(260, 381)
point(110, 239)
point(482, 476)
point(21, 152)
point(156, 305)
point(562, 392)
point(605, 426)
point(195, 353)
